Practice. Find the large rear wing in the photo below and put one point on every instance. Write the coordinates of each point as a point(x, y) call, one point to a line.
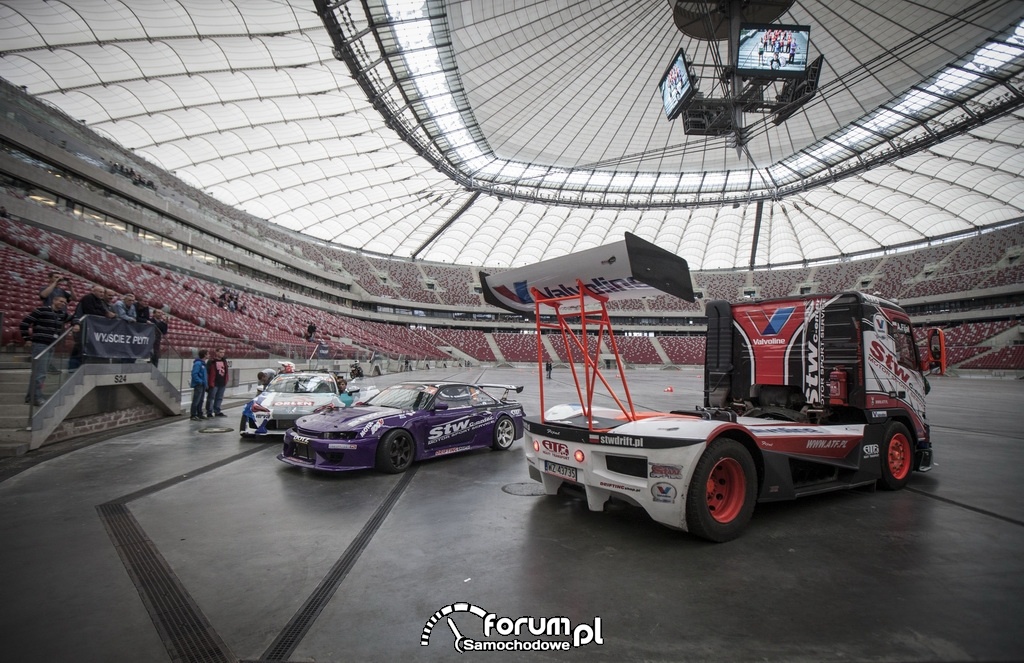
point(575, 290)
point(628, 269)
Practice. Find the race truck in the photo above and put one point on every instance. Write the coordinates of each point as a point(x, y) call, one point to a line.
point(802, 395)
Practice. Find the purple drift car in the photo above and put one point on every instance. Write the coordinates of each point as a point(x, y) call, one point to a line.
point(405, 423)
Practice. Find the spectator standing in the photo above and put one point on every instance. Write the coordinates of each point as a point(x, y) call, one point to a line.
point(198, 384)
point(91, 304)
point(41, 327)
point(111, 298)
point(142, 312)
point(547, 367)
point(58, 286)
point(217, 379)
point(161, 331)
point(94, 303)
point(125, 308)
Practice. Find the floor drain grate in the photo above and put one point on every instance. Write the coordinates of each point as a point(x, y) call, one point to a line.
point(528, 489)
point(216, 430)
point(186, 633)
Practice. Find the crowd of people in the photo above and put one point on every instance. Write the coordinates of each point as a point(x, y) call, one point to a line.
point(137, 178)
point(229, 300)
point(779, 46)
point(55, 314)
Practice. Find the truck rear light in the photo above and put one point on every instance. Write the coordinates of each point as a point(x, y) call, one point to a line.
point(536, 445)
point(579, 456)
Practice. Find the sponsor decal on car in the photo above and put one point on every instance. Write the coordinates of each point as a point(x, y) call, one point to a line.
point(451, 429)
point(342, 445)
point(618, 440)
point(871, 451)
point(519, 629)
point(663, 492)
point(371, 428)
point(451, 450)
point(559, 449)
point(826, 444)
point(663, 471)
point(619, 486)
point(300, 439)
point(292, 403)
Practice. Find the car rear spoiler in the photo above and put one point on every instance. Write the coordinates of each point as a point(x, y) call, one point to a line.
point(507, 387)
point(628, 269)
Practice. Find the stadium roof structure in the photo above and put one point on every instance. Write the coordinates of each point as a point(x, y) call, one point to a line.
point(505, 132)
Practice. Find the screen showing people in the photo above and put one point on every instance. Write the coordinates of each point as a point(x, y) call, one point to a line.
point(675, 86)
point(773, 50)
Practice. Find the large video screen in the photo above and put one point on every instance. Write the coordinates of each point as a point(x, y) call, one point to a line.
point(676, 87)
point(773, 50)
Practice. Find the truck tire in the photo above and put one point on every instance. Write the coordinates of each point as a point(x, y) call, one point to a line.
point(897, 457)
point(723, 491)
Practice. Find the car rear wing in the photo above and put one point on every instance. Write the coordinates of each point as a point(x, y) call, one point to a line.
point(628, 269)
point(574, 290)
point(506, 387)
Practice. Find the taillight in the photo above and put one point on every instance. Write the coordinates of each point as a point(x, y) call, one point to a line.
point(536, 445)
point(256, 407)
point(579, 455)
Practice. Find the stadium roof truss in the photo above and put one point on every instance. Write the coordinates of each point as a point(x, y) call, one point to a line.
point(504, 133)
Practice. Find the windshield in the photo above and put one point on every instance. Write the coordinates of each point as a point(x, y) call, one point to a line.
point(403, 397)
point(303, 384)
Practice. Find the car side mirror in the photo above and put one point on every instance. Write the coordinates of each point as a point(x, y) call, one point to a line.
point(440, 406)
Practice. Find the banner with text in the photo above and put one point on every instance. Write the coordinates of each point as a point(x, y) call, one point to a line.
point(111, 338)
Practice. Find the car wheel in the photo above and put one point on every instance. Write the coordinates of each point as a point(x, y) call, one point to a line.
point(395, 452)
point(242, 425)
point(723, 491)
point(504, 434)
point(897, 457)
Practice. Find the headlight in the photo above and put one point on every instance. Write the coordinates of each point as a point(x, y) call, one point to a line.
point(339, 435)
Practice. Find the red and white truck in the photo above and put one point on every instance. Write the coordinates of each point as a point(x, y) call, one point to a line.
point(802, 395)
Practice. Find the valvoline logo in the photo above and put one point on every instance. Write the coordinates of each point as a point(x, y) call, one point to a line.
point(521, 295)
point(778, 321)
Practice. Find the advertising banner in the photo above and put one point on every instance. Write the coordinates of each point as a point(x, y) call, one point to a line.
point(116, 339)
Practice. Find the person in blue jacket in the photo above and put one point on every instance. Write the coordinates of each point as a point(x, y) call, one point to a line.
point(198, 385)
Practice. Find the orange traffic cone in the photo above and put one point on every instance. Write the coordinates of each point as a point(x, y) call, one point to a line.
point(669, 390)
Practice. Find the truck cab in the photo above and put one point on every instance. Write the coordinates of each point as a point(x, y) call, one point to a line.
point(847, 358)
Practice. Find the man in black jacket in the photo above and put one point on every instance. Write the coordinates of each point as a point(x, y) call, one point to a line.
point(92, 304)
point(41, 327)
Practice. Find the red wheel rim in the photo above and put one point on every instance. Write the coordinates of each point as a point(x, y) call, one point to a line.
point(727, 490)
point(899, 456)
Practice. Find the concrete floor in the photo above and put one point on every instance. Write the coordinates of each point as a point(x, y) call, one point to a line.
point(182, 542)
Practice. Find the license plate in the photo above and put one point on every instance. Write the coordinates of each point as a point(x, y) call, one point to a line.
point(558, 469)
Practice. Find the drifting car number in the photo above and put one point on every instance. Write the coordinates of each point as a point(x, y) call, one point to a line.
point(563, 471)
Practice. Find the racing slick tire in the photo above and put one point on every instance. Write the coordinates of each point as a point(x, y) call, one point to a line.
point(896, 457)
point(395, 451)
point(504, 434)
point(241, 428)
point(723, 491)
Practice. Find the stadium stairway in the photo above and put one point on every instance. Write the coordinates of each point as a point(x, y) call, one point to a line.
point(101, 396)
point(14, 434)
